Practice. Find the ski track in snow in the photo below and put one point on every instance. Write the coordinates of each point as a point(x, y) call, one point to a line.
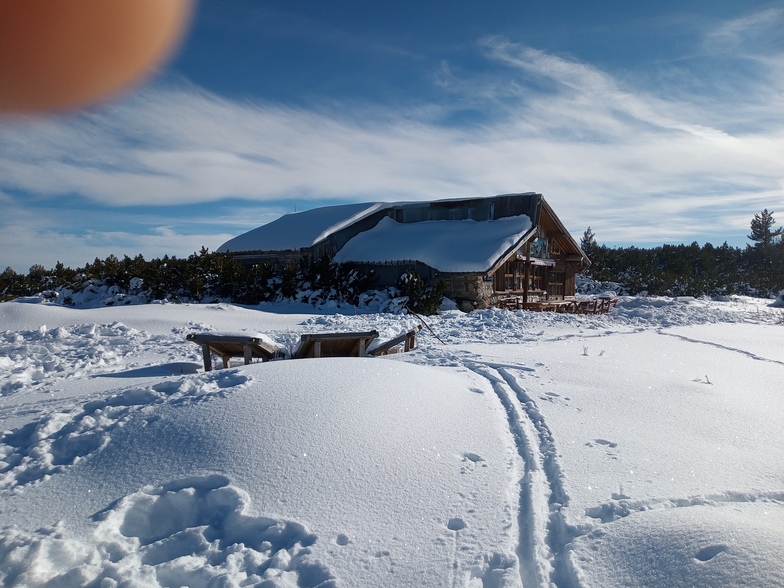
point(543, 535)
point(720, 346)
point(536, 557)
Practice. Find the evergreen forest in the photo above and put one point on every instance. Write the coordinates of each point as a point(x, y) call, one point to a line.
point(693, 270)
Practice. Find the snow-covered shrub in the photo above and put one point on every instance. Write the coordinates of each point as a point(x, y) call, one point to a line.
point(591, 287)
point(421, 299)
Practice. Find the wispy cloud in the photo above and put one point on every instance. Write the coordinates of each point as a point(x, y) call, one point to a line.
point(753, 34)
point(639, 163)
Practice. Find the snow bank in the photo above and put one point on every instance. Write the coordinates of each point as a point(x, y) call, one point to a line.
point(717, 545)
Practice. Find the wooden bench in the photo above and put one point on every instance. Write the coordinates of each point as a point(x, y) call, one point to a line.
point(228, 346)
point(608, 304)
point(592, 306)
point(549, 306)
point(512, 303)
point(408, 339)
point(334, 344)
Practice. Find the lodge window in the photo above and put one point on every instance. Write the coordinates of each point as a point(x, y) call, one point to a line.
point(511, 278)
point(540, 279)
point(545, 249)
point(537, 278)
point(539, 249)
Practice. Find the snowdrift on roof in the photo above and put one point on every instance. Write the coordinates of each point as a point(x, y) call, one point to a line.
point(449, 246)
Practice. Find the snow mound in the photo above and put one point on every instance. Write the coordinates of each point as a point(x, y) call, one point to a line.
point(686, 310)
point(727, 545)
point(293, 473)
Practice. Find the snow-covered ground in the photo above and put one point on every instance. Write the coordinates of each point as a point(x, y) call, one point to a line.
point(640, 448)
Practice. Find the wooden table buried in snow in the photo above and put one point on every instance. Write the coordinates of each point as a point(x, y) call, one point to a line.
point(228, 346)
point(334, 344)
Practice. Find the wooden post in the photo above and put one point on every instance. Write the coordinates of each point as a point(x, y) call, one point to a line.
point(527, 272)
point(361, 350)
point(247, 353)
point(317, 349)
point(226, 361)
point(207, 356)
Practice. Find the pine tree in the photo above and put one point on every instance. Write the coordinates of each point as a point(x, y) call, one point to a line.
point(591, 249)
point(588, 243)
point(765, 274)
point(762, 232)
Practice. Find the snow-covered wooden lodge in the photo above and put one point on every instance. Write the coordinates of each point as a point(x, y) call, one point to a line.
point(487, 251)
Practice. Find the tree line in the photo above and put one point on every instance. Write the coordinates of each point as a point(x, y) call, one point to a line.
point(668, 270)
point(211, 277)
point(694, 270)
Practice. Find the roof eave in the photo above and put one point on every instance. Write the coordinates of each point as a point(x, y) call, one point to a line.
point(575, 246)
point(512, 250)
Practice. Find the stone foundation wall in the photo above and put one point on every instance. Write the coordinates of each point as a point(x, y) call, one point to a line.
point(470, 291)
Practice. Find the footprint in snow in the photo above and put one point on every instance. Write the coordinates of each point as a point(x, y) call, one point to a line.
point(472, 460)
point(456, 524)
point(708, 553)
point(606, 442)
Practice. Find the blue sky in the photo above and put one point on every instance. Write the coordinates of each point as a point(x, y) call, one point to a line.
point(657, 122)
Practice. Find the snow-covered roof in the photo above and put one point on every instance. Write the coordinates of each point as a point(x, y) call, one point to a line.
point(454, 235)
point(300, 229)
point(446, 245)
